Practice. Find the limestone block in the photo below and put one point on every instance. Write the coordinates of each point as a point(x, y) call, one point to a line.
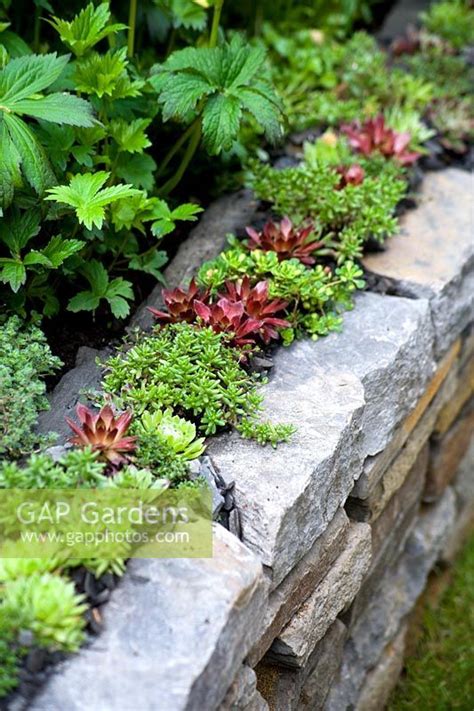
point(176, 630)
point(432, 257)
point(297, 640)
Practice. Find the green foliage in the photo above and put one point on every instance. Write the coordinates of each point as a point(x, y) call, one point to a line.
point(266, 432)
point(453, 20)
point(80, 185)
point(176, 432)
point(25, 359)
point(344, 219)
point(116, 292)
point(186, 368)
point(9, 655)
point(86, 29)
point(48, 606)
point(439, 670)
point(324, 82)
point(219, 85)
point(86, 194)
point(77, 468)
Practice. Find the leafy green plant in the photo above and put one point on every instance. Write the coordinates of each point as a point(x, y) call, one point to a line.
point(48, 606)
point(187, 368)
point(451, 19)
point(265, 432)
point(342, 219)
point(178, 433)
point(86, 29)
point(21, 82)
point(77, 468)
point(25, 359)
point(211, 89)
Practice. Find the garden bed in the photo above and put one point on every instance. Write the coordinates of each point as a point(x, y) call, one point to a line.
point(366, 402)
point(322, 546)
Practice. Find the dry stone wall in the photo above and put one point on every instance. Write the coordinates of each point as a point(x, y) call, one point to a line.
point(340, 528)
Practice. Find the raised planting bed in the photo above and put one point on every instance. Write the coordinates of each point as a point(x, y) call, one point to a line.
point(339, 527)
point(298, 399)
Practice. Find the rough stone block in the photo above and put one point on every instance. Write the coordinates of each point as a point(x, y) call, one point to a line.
point(387, 343)
point(242, 693)
point(296, 642)
point(439, 391)
point(328, 656)
point(403, 481)
point(433, 255)
point(287, 499)
point(285, 600)
point(86, 375)
point(447, 453)
point(176, 629)
point(396, 595)
point(296, 689)
point(381, 680)
point(463, 393)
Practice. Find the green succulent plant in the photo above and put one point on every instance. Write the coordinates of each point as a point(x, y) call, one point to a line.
point(178, 433)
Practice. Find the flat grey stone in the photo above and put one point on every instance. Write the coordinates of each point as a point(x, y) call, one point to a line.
point(387, 343)
point(176, 633)
point(242, 690)
point(324, 664)
point(285, 600)
point(432, 256)
point(384, 473)
point(381, 680)
point(394, 598)
point(336, 591)
point(227, 214)
point(287, 497)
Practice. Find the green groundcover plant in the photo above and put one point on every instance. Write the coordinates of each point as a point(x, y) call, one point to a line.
point(96, 137)
point(25, 359)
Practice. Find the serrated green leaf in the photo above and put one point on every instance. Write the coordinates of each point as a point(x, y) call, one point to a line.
point(58, 249)
point(84, 194)
point(106, 75)
point(220, 122)
point(59, 108)
point(34, 162)
point(18, 228)
point(10, 174)
point(83, 301)
point(180, 93)
point(186, 211)
point(87, 28)
point(137, 170)
point(120, 287)
point(25, 76)
point(13, 273)
point(130, 136)
point(263, 111)
point(96, 274)
point(119, 306)
point(150, 263)
point(15, 45)
point(35, 258)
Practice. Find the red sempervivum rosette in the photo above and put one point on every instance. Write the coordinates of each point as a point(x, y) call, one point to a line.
point(179, 303)
point(286, 240)
point(104, 432)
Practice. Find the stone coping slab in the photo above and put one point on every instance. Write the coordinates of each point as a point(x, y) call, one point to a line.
point(432, 256)
point(346, 394)
point(175, 635)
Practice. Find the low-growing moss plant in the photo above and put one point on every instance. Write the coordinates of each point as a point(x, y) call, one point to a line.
point(25, 359)
point(188, 368)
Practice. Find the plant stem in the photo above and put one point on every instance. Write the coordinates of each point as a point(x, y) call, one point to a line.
point(175, 147)
point(193, 144)
point(215, 23)
point(36, 29)
point(132, 21)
